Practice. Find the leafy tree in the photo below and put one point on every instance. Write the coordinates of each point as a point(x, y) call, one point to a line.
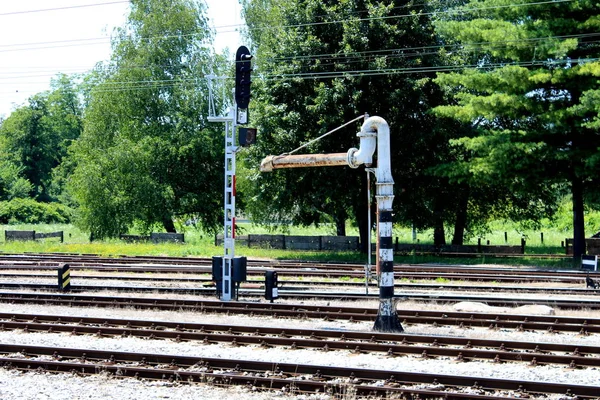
point(146, 154)
point(322, 64)
point(26, 143)
point(528, 92)
point(35, 137)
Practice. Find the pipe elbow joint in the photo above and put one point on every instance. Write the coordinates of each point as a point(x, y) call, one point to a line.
point(352, 159)
point(364, 155)
point(267, 164)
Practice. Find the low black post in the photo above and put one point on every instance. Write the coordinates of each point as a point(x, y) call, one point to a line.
point(239, 273)
point(271, 292)
point(64, 277)
point(542, 237)
point(505, 237)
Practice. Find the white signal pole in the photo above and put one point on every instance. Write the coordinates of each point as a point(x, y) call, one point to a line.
point(229, 195)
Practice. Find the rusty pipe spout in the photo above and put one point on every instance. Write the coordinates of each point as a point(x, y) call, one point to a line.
point(270, 163)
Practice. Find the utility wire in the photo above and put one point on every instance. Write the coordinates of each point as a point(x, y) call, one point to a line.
point(164, 84)
point(359, 56)
point(323, 135)
point(109, 86)
point(62, 8)
point(411, 15)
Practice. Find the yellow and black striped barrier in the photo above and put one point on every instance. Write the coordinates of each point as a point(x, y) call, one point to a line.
point(64, 277)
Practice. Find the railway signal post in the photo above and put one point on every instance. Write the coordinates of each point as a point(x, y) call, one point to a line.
point(236, 115)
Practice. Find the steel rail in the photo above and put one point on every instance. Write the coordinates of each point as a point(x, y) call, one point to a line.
point(461, 349)
point(37, 273)
point(316, 273)
point(563, 303)
point(284, 285)
point(301, 311)
point(173, 262)
point(306, 378)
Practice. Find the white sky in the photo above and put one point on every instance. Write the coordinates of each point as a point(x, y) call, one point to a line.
point(41, 38)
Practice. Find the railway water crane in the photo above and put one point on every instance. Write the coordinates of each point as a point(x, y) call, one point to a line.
point(374, 134)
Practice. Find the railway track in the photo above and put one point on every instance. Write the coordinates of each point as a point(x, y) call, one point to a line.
point(285, 284)
point(439, 294)
point(287, 268)
point(460, 349)
point(550, 324)
point(296, 378)
point(580, 356)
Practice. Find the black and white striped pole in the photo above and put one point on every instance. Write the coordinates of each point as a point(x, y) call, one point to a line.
point(374, 134)
point(377, 129)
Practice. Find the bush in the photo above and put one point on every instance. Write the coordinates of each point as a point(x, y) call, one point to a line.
point(30, 211)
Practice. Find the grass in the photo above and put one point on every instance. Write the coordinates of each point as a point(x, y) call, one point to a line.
point(199, 244)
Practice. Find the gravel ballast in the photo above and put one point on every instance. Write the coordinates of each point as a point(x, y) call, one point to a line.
point(36, 385)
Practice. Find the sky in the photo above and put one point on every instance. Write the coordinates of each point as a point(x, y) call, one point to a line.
point(42, 38)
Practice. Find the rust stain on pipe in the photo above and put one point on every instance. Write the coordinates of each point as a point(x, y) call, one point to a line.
point(270, 163)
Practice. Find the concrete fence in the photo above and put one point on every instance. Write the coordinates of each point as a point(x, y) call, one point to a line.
point(592, 246)
point(291, 242)
point(31, 235)
point(352, 243)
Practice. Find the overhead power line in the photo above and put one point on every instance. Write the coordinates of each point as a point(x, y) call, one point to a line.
point(233, 27)
point(329, 59)
point(118, 86)
point(62, 8)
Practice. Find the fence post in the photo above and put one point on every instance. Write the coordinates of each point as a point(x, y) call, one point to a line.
point(505, 237)
point(542, 237)
point(523, 245)
point(479, 245)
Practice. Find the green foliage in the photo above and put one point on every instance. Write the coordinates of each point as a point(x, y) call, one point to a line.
point(323, 64)
point(30, 211)
point(530, 91)
point(19, 188)
point(147, 155)
point(35, 137)
point(12, 184)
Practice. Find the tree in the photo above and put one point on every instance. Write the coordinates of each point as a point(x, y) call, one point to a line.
point(323, 64)
point(147, 155)
point(35, 137)
point(528, 92)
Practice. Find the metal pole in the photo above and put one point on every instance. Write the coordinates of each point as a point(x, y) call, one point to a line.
point(369, 251)
point(229, 192)
point(229, 212)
